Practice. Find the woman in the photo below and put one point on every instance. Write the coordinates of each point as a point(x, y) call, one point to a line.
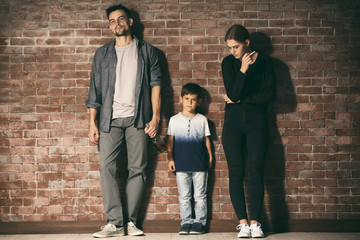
point(250, 85)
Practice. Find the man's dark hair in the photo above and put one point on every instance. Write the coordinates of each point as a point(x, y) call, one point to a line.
point(191, 88)
point(238, 33)
point(118, 7)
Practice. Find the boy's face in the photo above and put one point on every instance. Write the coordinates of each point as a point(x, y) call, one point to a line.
point(190, 102)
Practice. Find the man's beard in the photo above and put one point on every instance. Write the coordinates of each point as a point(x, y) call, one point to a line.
point(120, 33)
point(124, 33)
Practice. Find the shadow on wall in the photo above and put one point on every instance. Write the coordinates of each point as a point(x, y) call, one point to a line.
point(204, 110)
point(167, 110)
point(275, 165)
point(137, 28)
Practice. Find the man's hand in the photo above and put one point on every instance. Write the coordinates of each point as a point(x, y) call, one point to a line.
point(152, 128)
point(93, 130)
point(94, 134)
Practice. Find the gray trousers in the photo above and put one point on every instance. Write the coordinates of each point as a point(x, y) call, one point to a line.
point(136, 145)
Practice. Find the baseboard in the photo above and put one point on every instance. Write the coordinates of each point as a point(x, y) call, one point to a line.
point(173, 226)
point(315, 225)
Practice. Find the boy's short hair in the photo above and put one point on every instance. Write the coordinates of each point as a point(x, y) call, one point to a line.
point(117, 7)
point(191, 88)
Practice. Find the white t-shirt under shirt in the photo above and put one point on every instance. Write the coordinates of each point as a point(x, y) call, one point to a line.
point(126, 71)
point(190, 153)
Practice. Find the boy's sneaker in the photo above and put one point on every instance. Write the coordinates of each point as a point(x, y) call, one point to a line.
point(132, 230)
point(197, 228)
point(256, 231)
point(185, 229)
point(109, 230)
point(244, 231)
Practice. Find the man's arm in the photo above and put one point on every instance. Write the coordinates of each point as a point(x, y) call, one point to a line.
point(93, 102)
point(93, 130)
point(153, 126)
point(170, 145)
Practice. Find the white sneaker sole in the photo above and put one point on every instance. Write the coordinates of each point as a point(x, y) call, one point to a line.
point(136, 234)
point(105, 236)
point(244, 236)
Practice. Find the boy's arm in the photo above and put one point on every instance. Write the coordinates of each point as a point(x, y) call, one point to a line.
point(208, 147)
point(170, 146)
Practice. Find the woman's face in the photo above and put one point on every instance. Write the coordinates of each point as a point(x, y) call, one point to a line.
point(238, 49)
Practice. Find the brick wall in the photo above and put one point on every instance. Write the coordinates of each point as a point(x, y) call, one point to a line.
point(49, 171)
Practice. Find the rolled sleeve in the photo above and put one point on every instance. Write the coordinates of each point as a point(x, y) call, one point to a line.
point(94, 100)
point(155, 70)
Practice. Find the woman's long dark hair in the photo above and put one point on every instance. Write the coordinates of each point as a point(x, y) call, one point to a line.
point(238, 33)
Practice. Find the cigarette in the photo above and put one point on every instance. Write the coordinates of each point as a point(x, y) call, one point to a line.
point(252, 53)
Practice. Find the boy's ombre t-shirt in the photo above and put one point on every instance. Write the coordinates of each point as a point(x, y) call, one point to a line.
point(190, 152)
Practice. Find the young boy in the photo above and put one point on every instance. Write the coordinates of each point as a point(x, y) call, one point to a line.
point(190, 156)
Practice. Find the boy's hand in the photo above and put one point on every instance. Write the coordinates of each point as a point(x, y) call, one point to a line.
point(210, 163)
point(209, 151)
point(172, 165)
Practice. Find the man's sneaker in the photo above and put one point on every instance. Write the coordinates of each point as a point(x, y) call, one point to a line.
point(244, 230)
point(109, 230)
point(185, 229)
point(256, 231)
point(132, 230)
point(197, 228)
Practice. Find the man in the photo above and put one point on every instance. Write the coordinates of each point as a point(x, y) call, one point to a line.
point(125, 91)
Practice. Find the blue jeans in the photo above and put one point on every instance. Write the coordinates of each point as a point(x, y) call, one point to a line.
point(185, 182)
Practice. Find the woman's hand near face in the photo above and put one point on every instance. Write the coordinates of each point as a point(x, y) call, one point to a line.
point(246, 61)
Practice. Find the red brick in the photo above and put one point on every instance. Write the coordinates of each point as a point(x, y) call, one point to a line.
point(22, 193)
point(48, 176)
point(203, 23)
point(312, 140)
point(23, 210)
point(61, 33)
point(76, 209)
point(50, 209)
point(322, 132)
point(76, 193)
point(49, 125)
point(36, 218)
point(36, 201)
point(62, 201)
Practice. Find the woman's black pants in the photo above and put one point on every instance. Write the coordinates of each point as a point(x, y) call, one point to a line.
point(245, 129)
